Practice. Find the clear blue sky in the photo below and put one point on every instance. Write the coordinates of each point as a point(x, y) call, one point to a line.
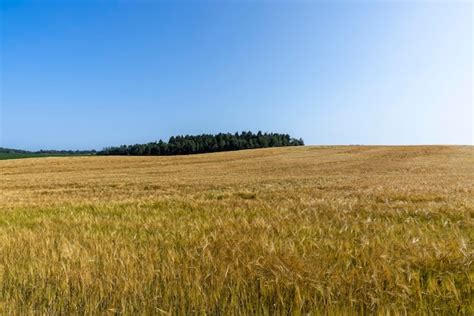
point(87, 74)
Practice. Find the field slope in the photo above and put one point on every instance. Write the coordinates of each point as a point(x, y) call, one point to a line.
point(281, 230)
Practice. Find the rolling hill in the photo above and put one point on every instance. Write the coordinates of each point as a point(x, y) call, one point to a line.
point(347, 229)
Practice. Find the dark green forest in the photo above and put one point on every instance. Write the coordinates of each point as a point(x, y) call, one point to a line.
point(205, 143)
point(9, 153)
point(46, 152)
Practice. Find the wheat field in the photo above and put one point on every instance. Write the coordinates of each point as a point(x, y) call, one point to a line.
point(318, 230)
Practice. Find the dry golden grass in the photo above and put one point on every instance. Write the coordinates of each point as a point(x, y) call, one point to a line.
point(275, 231)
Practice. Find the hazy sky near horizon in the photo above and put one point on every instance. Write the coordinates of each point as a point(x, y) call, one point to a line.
point(88, 74)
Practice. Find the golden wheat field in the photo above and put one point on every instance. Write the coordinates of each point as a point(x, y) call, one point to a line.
point(338, 230)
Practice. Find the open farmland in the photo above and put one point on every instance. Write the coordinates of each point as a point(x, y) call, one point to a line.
point(281, 230)
point(5, 156)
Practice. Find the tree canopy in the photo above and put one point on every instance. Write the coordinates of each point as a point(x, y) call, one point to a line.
point(49, 152)
point(205, 143)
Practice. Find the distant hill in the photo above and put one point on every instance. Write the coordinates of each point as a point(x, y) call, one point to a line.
point(177, 145)
point(52, 152)
point(9, 153)
point(205, 143)
point(12, 151)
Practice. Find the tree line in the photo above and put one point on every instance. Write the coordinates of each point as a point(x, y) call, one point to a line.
point(205, 143)
point(47, 152)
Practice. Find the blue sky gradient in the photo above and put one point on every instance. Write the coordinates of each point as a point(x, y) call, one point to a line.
point(88, 74)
